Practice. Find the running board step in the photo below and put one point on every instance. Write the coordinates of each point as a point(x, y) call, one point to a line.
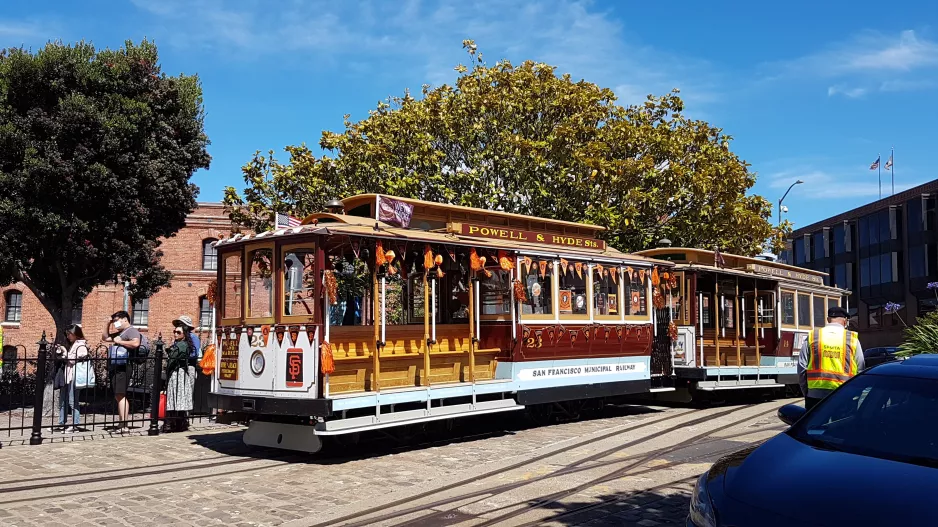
point(375, 422)
point(710, 386)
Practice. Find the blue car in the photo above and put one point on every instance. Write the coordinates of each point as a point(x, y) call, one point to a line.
point(865, 455)
point(875, 356)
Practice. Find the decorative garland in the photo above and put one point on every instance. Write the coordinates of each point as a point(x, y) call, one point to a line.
point(505, 262)
point(212, 293)
point(326, 361)
point(332, 287)
point(672, 330)
point(520, 295)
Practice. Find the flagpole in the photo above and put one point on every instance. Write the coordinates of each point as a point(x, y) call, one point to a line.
point(892, 168)
point(879, 170)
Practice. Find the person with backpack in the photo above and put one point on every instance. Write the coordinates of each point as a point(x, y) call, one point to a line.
point(127, 341)
point(70, 359)
point(180, 376)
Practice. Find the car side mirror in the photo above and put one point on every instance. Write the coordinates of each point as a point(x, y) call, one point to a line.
point(791, 413)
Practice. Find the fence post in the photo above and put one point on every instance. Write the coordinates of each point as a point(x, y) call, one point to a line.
point(36, 437)
point(155, 389)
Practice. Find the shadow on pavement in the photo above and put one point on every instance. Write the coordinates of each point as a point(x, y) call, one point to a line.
point(376, 443)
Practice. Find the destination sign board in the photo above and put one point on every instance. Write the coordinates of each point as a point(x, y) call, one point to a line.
point(517, 235)
point(785, 273)
point(228, 369)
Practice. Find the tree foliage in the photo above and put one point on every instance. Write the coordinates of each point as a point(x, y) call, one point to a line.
point(525, 140)
point(96, 152)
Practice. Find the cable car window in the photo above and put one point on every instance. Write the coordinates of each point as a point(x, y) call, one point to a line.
point(537, 276)
point(299, 282)
point(788, 308)
point(804, 310)
point(231, 308)
point(572, 291)
point(606, 290)
point(636, 292)
point(496, 291)
point(260, 283)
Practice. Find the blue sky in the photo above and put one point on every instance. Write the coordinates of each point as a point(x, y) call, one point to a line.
point(808, 90)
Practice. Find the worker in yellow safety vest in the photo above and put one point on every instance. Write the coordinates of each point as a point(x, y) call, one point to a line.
point(830, 358)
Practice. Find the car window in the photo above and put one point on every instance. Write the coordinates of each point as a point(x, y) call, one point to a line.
point(874, 415)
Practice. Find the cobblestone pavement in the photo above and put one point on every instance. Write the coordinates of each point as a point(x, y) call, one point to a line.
point(628, 466)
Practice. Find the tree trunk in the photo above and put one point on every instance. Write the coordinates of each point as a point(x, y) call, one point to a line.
point(49, 401)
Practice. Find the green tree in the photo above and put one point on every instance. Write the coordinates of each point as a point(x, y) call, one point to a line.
point(523, 139)
point(96, 152)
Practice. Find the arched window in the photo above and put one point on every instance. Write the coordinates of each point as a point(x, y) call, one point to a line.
point(209, 255)
point(14, 307)
point(205, 313)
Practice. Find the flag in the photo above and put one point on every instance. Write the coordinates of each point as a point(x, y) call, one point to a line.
point(888, 164)
point(285, 220)
point(875, 164)
point(718, 258)
point(394, 212)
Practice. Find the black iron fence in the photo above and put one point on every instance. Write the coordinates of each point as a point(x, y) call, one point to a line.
point(43, 395)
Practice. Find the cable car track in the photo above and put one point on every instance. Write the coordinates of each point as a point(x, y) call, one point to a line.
point(570, 469)
point(68, 480)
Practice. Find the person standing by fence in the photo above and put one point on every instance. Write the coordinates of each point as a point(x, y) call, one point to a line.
point(125, 343)
point(65, 376)
point(180, 378)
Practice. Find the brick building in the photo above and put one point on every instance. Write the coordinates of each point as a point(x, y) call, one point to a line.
point(188, 255)
point(884, 252)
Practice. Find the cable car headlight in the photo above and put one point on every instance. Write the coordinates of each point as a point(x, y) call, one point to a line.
point(257, 362)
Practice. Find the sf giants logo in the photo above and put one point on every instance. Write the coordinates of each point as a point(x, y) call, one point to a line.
point(294, 367)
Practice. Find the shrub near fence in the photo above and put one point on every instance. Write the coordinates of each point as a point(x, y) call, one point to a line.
point(30, 406)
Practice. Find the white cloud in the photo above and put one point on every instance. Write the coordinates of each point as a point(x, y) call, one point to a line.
point(14, 29)
point(869, 53)
point(857, 182)
point(869, 62)
point(852, 93)
point(424, 38)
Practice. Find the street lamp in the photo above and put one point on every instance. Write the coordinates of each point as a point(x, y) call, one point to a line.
point(783, 199)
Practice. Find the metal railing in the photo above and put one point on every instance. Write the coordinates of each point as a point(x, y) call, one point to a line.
point(37, 402)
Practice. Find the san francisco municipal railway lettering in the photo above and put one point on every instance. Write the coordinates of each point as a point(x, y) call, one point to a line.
point(581, 370)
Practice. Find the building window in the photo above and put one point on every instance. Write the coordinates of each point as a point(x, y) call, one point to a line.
point(889, 268)
point(875, 270)
point(205, 313)
point(141, 312)
point(918, 261)
point(863, 228)
point(840, 245)
point(798, 250)
point(928, 211)
point(209, 255)
point(820, 247)
point(76, 313)
point(14, 307)
point(914, 215)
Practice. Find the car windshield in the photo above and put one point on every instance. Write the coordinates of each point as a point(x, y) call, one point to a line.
point(875, 415)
